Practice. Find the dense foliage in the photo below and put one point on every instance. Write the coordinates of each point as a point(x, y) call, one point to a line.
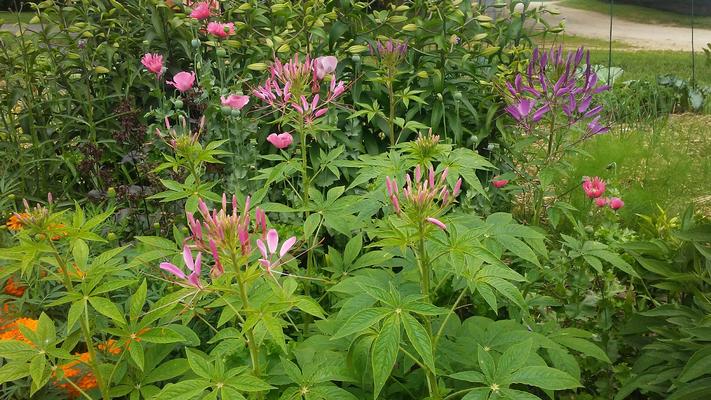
point(327, 200)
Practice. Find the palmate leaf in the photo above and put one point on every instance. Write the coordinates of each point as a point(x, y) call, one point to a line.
point(384, 351)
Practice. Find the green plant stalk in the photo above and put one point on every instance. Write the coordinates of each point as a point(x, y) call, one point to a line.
point(251, 343)
point(306, 182)
point(84, 324)
point(391, 100)
point(425, 288)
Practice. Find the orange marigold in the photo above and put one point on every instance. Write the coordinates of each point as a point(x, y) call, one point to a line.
point(13, 332)
point(14, 223)
point(111, 346)
point(13, 289)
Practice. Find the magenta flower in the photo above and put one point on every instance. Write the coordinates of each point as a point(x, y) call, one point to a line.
point(616, 203)
point(601, 201)
point(324, 66)
point(153, 63)
point(183, 81)
point(270, 250)
point(439, 224)
point(594, 187)
point(201, 11)
point(193, 265)
point(499, 183)
point(235, 101)
point(519, 111)
point(280, 141)
point(221, 30)
point(595, 128)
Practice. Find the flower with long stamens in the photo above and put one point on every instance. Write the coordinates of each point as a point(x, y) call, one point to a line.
point(195, 267)
point(270, 257)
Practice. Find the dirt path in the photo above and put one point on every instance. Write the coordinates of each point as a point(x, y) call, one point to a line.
point(652, 37)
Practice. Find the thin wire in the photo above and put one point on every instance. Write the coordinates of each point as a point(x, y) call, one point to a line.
point(693, 52)
point(609, 50)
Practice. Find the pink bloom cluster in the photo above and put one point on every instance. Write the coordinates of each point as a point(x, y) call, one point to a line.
point(424, 196)
point(270, 258)
point(296, 86)
point(594, 188)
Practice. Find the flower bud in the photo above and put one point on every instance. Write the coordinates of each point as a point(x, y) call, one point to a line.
point(195, 43)
point(111, 236)
point(178, 103)
point(156, 225)
point(221, 52)
point(409, 28)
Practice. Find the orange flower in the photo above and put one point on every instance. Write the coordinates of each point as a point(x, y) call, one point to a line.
point(14, 289)
point(14, 223)
point(57, 230)
point(111, 346)
point(12, 331)
point(74, 369)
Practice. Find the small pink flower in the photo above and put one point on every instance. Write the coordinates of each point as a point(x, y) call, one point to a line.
point(499, 183)
point(601, 201)
point(153, 63)
point(616, 203)
point(439, 224)
point(594, 187)
point(221, 30)
point(324, 66)
point(280, 141)
point(270, 249)
point(183, 81)
point(235, 101)
point(201, 11)
point(193, 265)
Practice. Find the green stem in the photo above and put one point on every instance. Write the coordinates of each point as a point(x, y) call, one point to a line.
point(425, 288)
point(85, 329)
point(306, 183)
point(251, 343)
point(391, 115)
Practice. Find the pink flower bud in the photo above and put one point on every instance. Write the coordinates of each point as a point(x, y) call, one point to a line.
point(437, 223)
point(616, 203)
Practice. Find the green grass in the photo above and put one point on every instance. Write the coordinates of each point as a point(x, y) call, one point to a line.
point(639, 14)
point(10, 17)
point(666, 166)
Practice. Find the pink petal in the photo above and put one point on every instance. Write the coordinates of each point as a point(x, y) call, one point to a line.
point(166, 266)
point(198, 264)
point(194, 280)
point(188, 258)
point(262, 248)
point(437, 223)
point(272, 240)
point(286, 246)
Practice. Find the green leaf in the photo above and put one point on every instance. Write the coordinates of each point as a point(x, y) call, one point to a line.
point(273, 327)
point(420, 340)
point(518, 248)
point(384, 352)
point(167, 370)
point(545, 378)
point(481, 393)
point(486, 364)
point(469, 376)
point(15, 349)
point(584, 346)
point(616, 261)
point(352, 249)
point(185, 390)
point(249, 383)
point(37, 369)
point(199, 364)
point(699, 364)
point(14, 371)
point(137, 300)
point(136, 352)
point(161, 335)
point(107, 308)
point(514, 358)
point(76, 310)
point(361, 321)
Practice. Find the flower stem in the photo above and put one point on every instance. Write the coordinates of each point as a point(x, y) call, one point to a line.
point(425, 288)
point(391, 115)
point(251, 343)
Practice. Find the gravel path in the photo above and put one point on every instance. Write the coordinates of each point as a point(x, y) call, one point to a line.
point(651, 37)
